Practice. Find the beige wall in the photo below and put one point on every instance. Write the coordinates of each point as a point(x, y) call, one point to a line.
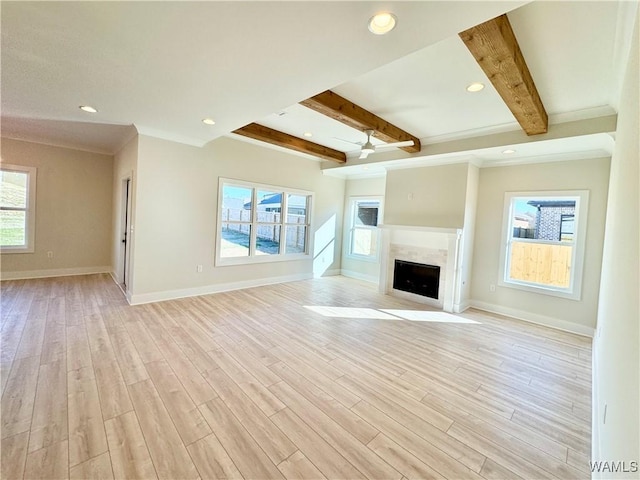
point(176, 207)
point(353, 267)
point(616, 366)
point(592, 175)
point(73, 210)
point(438, 196)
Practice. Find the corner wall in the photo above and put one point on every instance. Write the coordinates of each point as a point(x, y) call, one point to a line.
point(73, 211)
point(616, 361)
point(176, 214)
point(578, 316)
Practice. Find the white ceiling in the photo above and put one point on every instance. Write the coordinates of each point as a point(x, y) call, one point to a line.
point(163, 66)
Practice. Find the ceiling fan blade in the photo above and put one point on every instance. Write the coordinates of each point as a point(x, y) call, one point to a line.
point(347, 141)
point(406, 143)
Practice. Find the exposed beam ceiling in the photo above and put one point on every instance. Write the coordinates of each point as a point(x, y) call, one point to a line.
point(281, 139)
point(495, 48)
point(333, 105)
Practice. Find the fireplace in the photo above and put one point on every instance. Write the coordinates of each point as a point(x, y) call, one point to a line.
point(435, 247)
point(417, 278)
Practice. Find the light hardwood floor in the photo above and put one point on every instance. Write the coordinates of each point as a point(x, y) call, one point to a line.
point(253, 384)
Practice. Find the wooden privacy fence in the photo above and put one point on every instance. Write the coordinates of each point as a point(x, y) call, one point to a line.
point(547, 264)
point(267, 226)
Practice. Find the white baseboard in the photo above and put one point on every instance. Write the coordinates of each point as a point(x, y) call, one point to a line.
point(552, 322)
point(462, 306)
point(208, 289)
point(359, 276)
point(56, 272)
point(328, 273)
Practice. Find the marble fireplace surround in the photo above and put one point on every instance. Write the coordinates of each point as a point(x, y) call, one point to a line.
point(431, 246)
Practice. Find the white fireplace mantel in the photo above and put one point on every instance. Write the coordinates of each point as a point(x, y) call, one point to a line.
point(434, 242)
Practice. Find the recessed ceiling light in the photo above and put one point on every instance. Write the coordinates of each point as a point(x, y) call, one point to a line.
point(475, 87)
point(382, 23)
point(508, 151)
point(365, 168)
point(308, 134)
point(208, 121)
point(88, 109)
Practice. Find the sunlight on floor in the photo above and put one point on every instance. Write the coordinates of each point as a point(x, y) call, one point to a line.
point(388, 314)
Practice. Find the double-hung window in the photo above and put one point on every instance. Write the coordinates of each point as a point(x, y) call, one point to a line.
point(17, 208)
point(261, 223)
point(364, 235)
point(543, 242)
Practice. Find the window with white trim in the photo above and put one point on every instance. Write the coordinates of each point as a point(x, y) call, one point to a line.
point(543, 242)
point(261, 223)
point(17, 208)
point(364, 235)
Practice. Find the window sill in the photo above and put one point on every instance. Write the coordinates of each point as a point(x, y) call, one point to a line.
point(225, 262)
point(363, 258)
point(5, 250)
point(541, 290)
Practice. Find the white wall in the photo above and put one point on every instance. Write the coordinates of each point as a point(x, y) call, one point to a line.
point(73, 211)
point(616, 366)
point(578, 316)
point(176, 207)
point(353, 267)
point(437, 196)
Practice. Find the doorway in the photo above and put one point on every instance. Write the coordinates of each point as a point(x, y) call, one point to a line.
point(125, 241)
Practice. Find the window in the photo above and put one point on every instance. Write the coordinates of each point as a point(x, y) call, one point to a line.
point(17, 208)
point(258, 223)
point(544, 235)
point(364, 236)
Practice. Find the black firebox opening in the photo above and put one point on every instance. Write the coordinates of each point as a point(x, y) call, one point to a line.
point(416, 278)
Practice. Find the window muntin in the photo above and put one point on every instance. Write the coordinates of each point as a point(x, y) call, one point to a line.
point(544, 242)
point(17, 208)
point(253, 227)
point(364, 236)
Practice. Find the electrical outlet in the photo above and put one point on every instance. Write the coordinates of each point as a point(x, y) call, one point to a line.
point(199, 268)
point(410, 196)
point(492, 288)
point(49, 254)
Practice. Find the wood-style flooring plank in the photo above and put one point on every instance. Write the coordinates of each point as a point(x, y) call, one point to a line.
point(97, 468)
point(275, 444)
point(449, 459)
point(323, 455)
point(48, 463)
point(129, 453)
point(298, 466)
point(19, 396)
point(185, 415)
point(246, 454)
point(350, 447)
point(87, 438)
point(212, 460)
point(49, 422)
point(168, 452)
point(14, 455)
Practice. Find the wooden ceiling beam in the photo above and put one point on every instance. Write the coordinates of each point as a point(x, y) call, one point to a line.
point(281, 139)
point(495, 47)
point(334, 106)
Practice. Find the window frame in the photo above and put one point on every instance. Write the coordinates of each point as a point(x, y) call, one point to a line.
point(574, 291)
point(253, 258)
point(353, 202)
point(30, 210)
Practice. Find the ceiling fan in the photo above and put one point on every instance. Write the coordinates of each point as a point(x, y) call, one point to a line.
point(368, 148)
